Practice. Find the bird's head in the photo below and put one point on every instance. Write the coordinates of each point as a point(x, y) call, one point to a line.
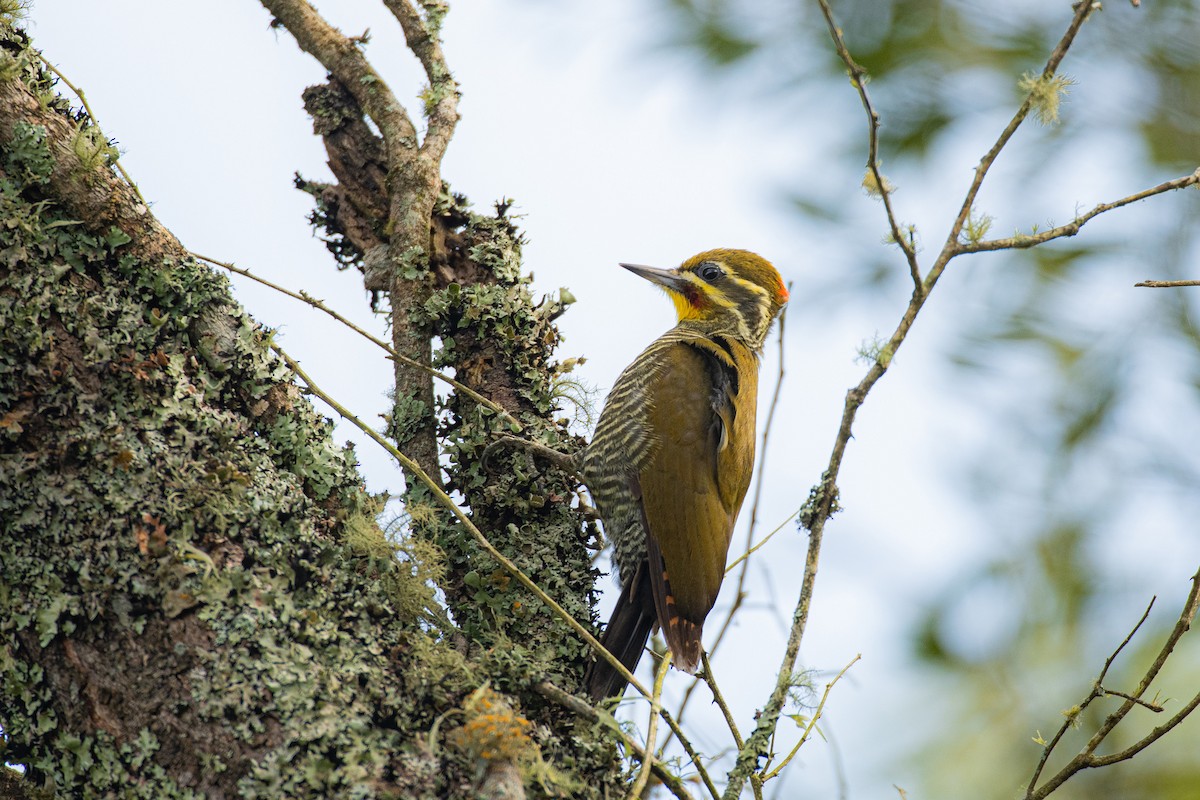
point(731, 291)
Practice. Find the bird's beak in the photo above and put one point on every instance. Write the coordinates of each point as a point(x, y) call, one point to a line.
point(666, 278)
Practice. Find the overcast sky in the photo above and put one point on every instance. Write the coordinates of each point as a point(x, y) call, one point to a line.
point(613, 151)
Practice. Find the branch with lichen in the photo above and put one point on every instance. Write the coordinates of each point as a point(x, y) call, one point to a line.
point(422, 32)
point(454, 275)
point(413, 179)
point(448, 504)
point(106, 215)
point(823, 502)
point(102, 147)
point(809, 726)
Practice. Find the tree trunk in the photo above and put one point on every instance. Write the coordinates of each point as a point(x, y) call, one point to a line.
point(195, 596)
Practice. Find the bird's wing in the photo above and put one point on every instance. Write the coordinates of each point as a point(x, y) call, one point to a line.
point(702, 418)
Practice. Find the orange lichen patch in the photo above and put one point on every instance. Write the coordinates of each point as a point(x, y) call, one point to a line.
point(141, 368)
point(13, 419)
point(152, 538)
point(493, 730)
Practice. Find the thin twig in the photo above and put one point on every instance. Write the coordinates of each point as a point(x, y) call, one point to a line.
point(305, 297)
point(116, 161)
point(762, 543)
point(688, 748)
point(719, 699)
point(586, 710)
point(1108, 662)
point(1070, 229)
point(825, 498)
point(812, 723)
point(1087, 758)
point(639, 785)
point(859, 78)
point(1146, 704)
point(711, 680)
point(1167, 284)
point(446, 502)
point(1148, 739)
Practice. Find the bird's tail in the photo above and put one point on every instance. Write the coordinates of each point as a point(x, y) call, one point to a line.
point(625, 637)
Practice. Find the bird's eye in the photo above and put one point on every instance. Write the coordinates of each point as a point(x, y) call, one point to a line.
point(709, 272)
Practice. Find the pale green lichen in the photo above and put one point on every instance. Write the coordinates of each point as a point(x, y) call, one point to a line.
point(876, 186)
point(1045, 94)
point(976, 226)
point(92, 149)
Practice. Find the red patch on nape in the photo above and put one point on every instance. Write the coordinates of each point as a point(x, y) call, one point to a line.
point(782, 294)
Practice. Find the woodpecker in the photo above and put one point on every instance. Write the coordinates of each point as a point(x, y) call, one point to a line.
point(673, 453)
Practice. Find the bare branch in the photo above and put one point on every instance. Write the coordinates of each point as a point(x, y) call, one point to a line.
point(1095, 692)
point(1146, 704)
point(1108, 662)
point(1087, 758)
point(1083, 10)
point(719, 699)
point(1167, 284)
point(1181, 627)
point(1032, 240)
point(859, 78)
point(1149, 739)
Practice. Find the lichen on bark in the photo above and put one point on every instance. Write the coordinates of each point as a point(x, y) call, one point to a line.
point(183, 611)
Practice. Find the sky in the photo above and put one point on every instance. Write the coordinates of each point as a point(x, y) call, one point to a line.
point(613, 150)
